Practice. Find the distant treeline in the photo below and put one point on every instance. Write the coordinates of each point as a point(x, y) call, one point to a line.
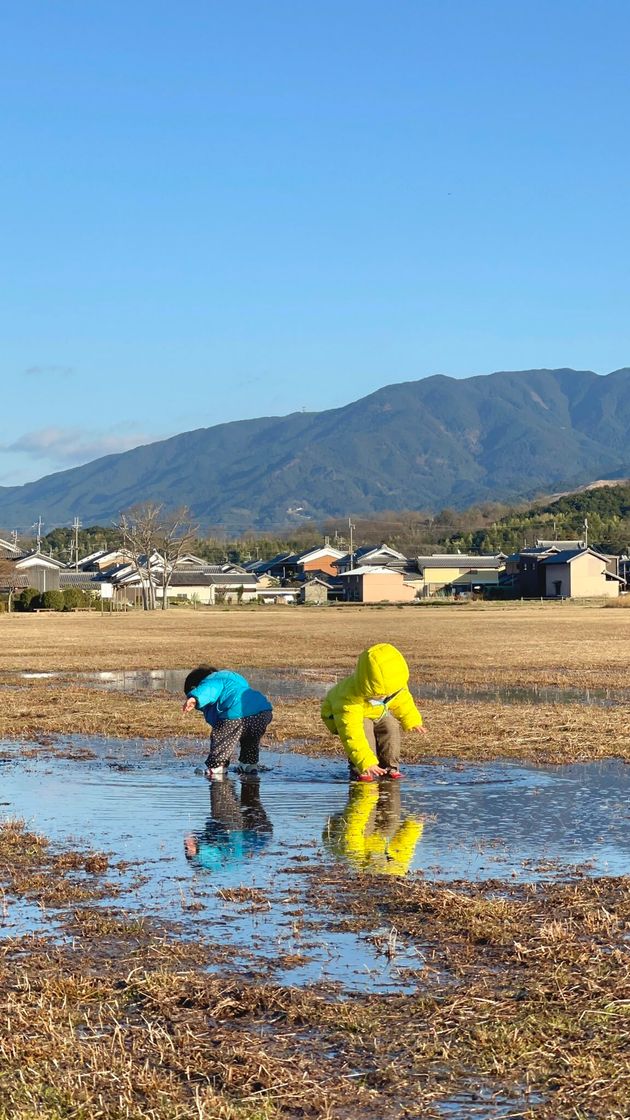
point(490, 527)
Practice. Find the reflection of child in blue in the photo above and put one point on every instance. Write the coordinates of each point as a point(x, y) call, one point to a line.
point(370, 833)
point(236, 829)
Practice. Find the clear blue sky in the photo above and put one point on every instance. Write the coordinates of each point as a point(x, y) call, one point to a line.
point(216, 210)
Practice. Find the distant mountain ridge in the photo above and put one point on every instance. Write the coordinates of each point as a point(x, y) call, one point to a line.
point(415, 445)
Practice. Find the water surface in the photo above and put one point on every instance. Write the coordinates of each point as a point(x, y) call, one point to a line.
point(445, 821)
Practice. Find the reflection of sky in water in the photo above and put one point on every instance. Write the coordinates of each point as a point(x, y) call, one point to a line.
point(277, 683)
point(480, 821)
point(312, 683)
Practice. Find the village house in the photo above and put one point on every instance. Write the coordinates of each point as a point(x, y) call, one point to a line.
point(42, 572)
point(373, 584)
point(381, 556)
point(448, 573)
point(103, 560)
point(296, 565)
point(579, 574)
point(527, 571)
point(315, 590)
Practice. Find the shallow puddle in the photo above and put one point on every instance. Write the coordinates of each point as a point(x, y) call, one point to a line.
point(276, 683)
point(241, 881)
point(536, 694)
point(300, 684)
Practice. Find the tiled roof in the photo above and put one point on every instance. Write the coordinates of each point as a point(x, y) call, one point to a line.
point(370, 570)
point(78, 579)
point(459, 560)
point(213, 579)
point(569, 554)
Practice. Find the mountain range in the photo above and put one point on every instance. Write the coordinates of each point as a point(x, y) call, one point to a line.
point(417, 445)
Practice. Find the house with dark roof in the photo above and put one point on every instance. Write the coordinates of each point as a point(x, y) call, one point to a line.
point(296, 565)
point(9, 550)
point(527, 570)
point(375, 555)
point(579, 573)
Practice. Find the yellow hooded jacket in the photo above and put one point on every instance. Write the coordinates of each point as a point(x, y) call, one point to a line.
point(381, 671)
point(351, 836)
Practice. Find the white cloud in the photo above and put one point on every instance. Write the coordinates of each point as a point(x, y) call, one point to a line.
point(70, 446)
point(50, 371)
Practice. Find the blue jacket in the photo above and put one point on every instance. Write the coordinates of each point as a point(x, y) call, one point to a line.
point(226, 695)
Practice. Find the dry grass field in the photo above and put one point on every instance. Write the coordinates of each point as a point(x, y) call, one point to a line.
point(475, 645)
point(472, 647)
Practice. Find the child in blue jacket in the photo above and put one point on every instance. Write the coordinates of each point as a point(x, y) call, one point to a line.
point(237, 714)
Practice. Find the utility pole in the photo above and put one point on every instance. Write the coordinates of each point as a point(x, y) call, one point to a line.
point(586, 532)
point(351, 529)
point(39, 532)
point(76, 525)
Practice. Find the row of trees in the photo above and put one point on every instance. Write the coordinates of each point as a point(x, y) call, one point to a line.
point(411, 532)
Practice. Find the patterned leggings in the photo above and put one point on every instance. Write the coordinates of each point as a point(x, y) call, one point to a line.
point(246, 732)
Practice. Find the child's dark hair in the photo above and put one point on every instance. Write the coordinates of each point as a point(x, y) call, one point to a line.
point(196, 676)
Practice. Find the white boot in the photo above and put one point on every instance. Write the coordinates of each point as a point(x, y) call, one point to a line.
point(215, 773)
point(247, 768)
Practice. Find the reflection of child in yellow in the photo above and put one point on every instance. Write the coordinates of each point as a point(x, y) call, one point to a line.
point(369, 832)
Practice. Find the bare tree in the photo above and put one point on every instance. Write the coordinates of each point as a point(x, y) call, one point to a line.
point(177, 533)
point(140, 529)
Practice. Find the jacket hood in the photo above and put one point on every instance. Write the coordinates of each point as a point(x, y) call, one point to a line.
point(381, 670)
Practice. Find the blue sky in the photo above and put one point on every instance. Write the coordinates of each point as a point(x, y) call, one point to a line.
point(214, 211)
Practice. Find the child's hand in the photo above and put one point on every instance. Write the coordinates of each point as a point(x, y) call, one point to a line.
point(190, 704)
point(375, 771)
point(420, 729)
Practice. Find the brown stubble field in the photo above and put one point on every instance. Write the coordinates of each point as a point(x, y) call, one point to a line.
point(476, 644)
point(471, 647)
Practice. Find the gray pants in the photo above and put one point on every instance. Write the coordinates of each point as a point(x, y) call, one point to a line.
point(383, 735)
point(246, 733)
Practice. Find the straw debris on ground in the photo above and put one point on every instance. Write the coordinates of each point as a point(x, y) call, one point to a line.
point(521, 993)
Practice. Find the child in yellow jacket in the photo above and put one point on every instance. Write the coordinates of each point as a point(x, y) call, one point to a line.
point(367, 710)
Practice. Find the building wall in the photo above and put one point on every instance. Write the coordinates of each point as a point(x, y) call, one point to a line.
point(320, 564)
point(381, 586)
point(435, 579)
point(582, 579)
point(40, 576)
point(314, 593)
